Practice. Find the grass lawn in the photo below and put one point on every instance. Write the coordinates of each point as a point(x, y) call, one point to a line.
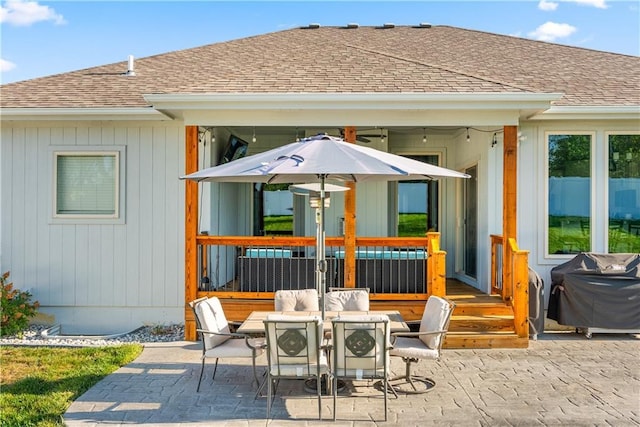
point(37, 384)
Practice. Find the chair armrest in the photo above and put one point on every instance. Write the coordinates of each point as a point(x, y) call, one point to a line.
point(417, 334)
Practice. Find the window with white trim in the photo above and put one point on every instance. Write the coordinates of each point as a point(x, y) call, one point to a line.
point(86, 184)
point(624, 193)
point(569, 193)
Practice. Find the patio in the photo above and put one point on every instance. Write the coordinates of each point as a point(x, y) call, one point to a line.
point(561, 379)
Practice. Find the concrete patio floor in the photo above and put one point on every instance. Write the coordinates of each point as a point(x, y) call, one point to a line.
point(562, 379)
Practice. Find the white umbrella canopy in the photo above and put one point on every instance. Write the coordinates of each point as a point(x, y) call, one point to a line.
point(322, 156)
point(317, 159)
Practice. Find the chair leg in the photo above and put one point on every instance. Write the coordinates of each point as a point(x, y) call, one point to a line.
point(215, 368)
point(335, 395)
point(395, 383)
point(269, 392)
point(385, 397)
point(201, 372)
point(319, 391)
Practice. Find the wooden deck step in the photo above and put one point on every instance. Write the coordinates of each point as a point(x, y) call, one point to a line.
point(475, 340)
point(484, 323)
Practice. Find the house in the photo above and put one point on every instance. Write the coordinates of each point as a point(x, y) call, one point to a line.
point(550, 135)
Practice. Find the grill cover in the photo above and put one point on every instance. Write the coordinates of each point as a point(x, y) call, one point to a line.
point(597, 290)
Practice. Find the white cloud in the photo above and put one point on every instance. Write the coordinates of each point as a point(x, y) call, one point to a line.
point(550, 31)
point(547, 5)
point(6, 65)
point(600, 4)
point(25, 13)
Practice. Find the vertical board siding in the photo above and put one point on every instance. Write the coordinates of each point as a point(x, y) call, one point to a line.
point(137, 264)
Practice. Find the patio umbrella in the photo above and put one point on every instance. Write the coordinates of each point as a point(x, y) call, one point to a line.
point(317, 159)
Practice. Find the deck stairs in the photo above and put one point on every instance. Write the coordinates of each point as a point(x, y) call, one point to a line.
point(480, 320)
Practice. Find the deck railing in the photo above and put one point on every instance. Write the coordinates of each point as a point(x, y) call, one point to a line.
point(256, 267)
point(511, 279)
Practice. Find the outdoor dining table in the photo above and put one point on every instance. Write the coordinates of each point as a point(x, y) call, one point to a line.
point(254, 324)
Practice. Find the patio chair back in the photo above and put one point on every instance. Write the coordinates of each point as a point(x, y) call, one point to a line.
point(296, 300)
point(360, 350)
point(294, 350)
point(347, 300)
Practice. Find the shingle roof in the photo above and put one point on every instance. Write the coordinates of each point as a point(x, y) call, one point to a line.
point(402, 59)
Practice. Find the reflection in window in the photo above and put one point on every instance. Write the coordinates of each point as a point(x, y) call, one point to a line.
point(624, 193)
point(418, 204)
point(569, 194)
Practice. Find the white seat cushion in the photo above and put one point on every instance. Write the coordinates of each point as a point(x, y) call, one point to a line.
point(433, 319)
point(413, 348)
point(296, 300)
point(351, 300)
point(212, 318)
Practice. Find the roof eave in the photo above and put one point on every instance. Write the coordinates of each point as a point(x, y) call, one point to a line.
point(193, 108)
point(605, 112)
point(55, 114)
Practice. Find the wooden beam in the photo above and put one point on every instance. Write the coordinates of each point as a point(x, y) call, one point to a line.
point(350, 222)
point(509, 205)
point(190, 231)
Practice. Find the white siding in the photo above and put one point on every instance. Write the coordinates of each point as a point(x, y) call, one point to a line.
point(97, 277)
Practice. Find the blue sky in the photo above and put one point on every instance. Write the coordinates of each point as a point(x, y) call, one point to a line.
point(40, 38)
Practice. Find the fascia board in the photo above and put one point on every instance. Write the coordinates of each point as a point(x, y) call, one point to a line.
point(59, 114)
point(350, 101)
point(622, 112)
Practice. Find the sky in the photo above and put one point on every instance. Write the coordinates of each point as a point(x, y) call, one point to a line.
point(40, 38)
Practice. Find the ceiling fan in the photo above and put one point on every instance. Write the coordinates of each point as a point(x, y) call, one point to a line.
point(363, 137)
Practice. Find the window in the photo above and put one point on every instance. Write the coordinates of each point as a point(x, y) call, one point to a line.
point(569, 194)
point(624, 193)
point(86, 184)
point(418, 203)
point(273, 210)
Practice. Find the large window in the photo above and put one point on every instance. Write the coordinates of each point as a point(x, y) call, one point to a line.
point(418, 204)
point(86, 184)
point(569, 191)
point(624, 193)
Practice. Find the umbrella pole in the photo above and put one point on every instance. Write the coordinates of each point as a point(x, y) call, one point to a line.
point(320, 248)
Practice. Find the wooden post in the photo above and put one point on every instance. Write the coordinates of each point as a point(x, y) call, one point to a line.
point(190, 231)
point(520, 289)
point(509, 206)
point(436, 266)
point(350, 222)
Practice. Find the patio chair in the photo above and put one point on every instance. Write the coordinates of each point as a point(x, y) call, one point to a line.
point(361, 346)
point(424, 344)
point(294, 351)
point(217, 339)
point(347, 299)
point(296, 300)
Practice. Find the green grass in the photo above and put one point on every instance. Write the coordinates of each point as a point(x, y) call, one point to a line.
point(412, 225)
point(37, 384)
point(276, 224)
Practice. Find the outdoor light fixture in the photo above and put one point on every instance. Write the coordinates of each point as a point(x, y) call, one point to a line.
point(382, 136)
point(495, 140)
point(254, 135)
point(424, 135)
point(468, 137)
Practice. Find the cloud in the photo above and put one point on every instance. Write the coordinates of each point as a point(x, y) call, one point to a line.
point(600, 4)
point(25, 13)
point(547, 5)
point(6, 65)
point(550, 31)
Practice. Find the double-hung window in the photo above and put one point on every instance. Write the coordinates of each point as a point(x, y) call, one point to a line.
point(87, 184)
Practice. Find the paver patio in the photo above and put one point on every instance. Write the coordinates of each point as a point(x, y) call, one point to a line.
point(562, 379)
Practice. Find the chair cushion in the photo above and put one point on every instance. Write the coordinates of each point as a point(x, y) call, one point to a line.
point(296, 300)
point(212, 318)
point(351, 300)
point(413, 348)
point(433, 319)
point(236, 347)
